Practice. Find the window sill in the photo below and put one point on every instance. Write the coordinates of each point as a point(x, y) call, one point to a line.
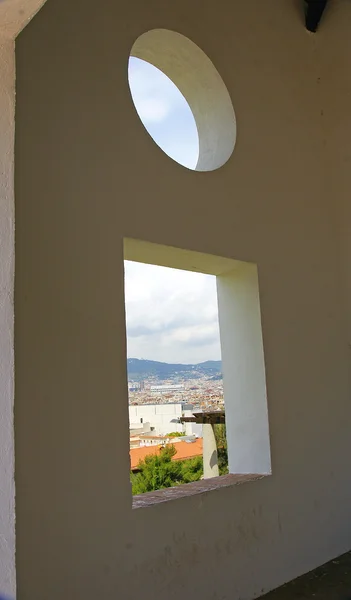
point(191, 489)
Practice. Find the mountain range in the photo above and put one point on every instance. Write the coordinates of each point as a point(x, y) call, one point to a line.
point(140, 368)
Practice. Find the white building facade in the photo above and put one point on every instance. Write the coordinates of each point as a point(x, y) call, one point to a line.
point(163, 418)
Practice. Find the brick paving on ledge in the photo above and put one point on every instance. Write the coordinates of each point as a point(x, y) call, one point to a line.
point(190, 489)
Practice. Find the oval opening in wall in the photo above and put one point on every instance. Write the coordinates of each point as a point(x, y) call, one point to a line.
point(182, 100)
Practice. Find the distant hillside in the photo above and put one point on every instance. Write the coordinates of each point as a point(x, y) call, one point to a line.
point(139, 368)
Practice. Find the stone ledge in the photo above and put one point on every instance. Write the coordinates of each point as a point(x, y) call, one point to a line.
point(191, 489)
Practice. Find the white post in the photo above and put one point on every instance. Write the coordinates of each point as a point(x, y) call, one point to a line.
point(210, 457)
point(244, 381)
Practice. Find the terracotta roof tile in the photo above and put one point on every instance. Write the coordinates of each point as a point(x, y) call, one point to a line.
point(184, 450)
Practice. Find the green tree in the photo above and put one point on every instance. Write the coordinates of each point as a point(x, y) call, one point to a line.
point(175, 434)
point(158, 471)
point(192, 469)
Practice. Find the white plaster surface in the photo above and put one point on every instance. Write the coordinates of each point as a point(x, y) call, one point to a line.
point(15, 14)
point(244, 380)
point(210, 457)
point(7, 487)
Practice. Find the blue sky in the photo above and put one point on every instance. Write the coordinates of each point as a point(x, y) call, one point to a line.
point(164, 112)
point(171, 315)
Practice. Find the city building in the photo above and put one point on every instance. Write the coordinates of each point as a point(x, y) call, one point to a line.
point(162, 418)
point(150, 439)
point(167, 388)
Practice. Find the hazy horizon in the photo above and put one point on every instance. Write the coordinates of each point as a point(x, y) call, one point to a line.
point(177, 362)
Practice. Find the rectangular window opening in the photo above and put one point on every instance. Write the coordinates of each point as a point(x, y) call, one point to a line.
point(198, 415)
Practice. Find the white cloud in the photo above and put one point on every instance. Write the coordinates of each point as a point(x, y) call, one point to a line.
point(164, 112)
point(152, 110)
point(172, 315)
point(152, 92)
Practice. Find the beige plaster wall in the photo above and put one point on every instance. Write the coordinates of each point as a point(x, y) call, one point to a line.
point(334, 106)
point(15, 14)
point(88, 175)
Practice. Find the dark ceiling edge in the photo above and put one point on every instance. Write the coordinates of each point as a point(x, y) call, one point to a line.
point(313, 13)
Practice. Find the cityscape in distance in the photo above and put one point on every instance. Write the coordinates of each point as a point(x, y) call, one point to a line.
point(176, 419)
point(153, 382)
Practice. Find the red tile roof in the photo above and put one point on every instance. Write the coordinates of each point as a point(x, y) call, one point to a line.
point(184, 450)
